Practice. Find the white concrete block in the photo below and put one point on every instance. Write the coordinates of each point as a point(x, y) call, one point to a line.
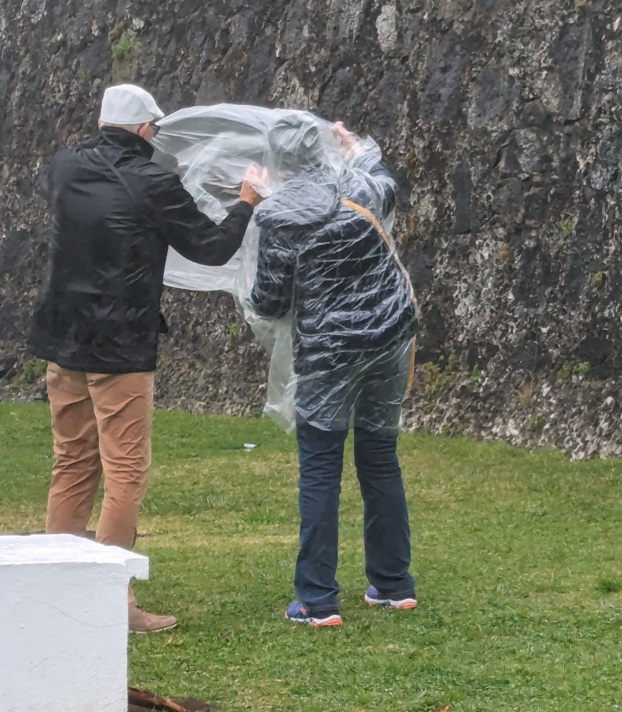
point(63, 623)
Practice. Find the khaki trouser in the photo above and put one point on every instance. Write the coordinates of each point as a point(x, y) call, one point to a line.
point(100, 422)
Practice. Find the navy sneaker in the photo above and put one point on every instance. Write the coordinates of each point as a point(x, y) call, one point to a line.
point(297, 613)
point(375, 598)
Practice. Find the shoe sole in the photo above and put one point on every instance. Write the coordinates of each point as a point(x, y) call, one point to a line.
point(155, 630)
point(318, 622)
point(403, 605)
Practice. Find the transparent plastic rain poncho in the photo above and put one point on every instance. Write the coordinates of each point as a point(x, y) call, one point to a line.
point(317, 277)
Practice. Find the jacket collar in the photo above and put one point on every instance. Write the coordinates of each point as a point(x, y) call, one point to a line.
point(114, 136)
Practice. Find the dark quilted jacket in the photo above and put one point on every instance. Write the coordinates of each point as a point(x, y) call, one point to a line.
point(99, 307)
point(329, 265)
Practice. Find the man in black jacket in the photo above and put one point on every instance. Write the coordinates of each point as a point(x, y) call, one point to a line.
point(114, 214)
point(324, 256)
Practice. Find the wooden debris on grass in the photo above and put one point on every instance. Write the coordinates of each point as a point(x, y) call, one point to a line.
point(142, 700)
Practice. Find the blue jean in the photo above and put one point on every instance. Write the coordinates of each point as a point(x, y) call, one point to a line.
point(386, 527)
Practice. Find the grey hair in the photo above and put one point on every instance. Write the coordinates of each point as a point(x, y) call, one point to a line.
point(132, 128)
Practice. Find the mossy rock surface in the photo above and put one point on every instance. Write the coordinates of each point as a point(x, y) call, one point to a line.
point(499, 121)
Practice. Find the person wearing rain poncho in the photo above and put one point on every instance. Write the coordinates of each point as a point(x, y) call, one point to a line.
point(325, 258)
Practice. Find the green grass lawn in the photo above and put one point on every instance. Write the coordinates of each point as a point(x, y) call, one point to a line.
point(518, 558)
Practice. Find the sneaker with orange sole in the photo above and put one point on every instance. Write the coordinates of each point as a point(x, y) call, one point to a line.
point(298, 613)
point(375, 598)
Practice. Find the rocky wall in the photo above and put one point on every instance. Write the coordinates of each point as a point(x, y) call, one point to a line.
point(501, 120)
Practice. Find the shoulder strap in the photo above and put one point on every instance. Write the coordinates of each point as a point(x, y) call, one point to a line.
point(389, 243)
point(117, 173)
point(392, 250)
point(366, 213)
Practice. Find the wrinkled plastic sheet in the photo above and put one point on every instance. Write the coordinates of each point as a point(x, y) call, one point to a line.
point(210, 148)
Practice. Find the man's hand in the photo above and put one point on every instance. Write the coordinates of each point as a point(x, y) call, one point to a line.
point(255, 185)
point(347, 141)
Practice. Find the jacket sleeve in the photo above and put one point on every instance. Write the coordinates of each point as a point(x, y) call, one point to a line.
point(271, 296)
point(42, 182)
point(186, 229)
point(381, 181)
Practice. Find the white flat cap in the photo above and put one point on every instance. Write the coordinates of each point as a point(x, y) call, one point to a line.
point(129, 104)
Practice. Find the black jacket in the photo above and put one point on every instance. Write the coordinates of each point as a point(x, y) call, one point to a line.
point(99, 307)
point(350, 297)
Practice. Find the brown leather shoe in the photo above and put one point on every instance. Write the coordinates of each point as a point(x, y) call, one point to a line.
point(142, 622)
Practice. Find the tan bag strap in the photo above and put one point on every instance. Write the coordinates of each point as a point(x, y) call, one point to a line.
point(389, 243)
point(411, 367)
point(366, 213)
point(393, 252)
